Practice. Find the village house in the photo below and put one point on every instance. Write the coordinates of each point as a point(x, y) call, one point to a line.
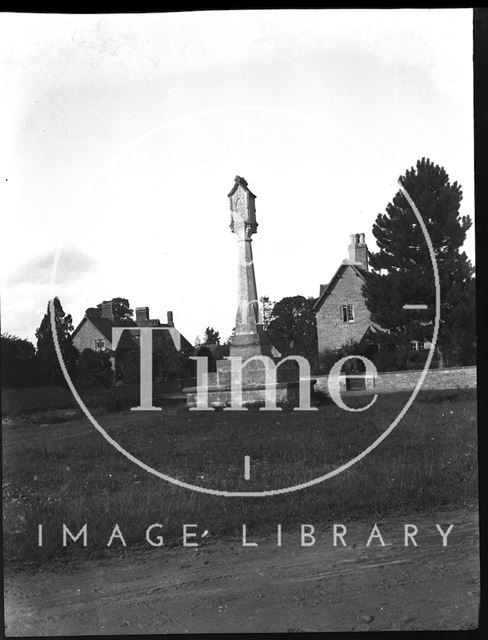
point(95, 333)
point(341, 312)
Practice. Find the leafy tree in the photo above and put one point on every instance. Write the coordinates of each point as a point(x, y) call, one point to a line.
point(93, 312)
point(211, 336)
point(19, 363)
point(293, 321)
point(402, 272)
point(121, 310)
point(49, 368)
point(94, 370)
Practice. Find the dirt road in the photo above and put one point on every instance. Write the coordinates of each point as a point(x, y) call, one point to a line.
point(224, 587)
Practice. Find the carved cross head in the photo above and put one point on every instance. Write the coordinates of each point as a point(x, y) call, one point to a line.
point(243, 209)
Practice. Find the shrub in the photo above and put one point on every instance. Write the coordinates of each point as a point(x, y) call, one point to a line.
point(94, 370)
point(19, 364)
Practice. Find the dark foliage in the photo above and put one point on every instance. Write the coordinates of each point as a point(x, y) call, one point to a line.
point(20, 367)
point(293, 321)
point(49, 368)
point(211, 336)
point(402, 271)
point(120, 306)
point(94, 370)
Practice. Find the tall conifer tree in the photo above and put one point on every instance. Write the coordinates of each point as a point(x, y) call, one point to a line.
point(402, 272)
point(50, 370)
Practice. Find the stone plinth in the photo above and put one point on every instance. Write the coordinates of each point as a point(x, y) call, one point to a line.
point(287, 393)
point(253, 372)
point(254, 387)
point(254, 384)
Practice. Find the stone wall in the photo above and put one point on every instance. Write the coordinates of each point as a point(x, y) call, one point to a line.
point(391, 381)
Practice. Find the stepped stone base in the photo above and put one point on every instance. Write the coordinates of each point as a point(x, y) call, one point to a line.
point(254, 385)
point(250, 344)
point(220, 396)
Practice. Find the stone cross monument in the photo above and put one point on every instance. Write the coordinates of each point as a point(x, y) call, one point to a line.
point(250, 338)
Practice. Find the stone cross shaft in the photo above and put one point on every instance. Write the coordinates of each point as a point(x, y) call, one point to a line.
point(244, 225)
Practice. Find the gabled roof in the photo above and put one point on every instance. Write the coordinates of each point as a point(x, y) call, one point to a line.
point(218, 351)
point(128, 339)
point(86, 319)
point(337, 275)
point(240, 182)
point(372, 330)
point(185, 345)
point(104, 325)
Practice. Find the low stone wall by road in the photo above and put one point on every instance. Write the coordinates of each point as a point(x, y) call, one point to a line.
point(390, 381)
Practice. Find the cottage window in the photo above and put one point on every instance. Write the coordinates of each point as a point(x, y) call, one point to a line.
point(347, 313)
point(99, 344)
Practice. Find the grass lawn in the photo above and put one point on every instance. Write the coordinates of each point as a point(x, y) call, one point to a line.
point(65, 472)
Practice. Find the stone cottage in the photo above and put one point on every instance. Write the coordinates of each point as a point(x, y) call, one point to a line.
point(340, 310)
point(95, 332)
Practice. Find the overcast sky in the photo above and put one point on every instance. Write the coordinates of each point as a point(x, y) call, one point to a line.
point(122, 135)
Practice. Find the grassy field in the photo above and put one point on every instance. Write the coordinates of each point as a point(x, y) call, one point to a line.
point(18, 401)
point(65, 472)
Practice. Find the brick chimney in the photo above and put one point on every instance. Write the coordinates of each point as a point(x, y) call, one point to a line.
point(358, 251)
point(170, 319)
point(142, 316)
point(108, 310)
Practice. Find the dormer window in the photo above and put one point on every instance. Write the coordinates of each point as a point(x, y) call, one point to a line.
point(99, 344)
point(347, 312)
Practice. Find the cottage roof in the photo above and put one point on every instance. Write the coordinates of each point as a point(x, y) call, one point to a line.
point(185, 344)
point(326, 290)
point(104, 325)
point(217, 351)
point(129, 339)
